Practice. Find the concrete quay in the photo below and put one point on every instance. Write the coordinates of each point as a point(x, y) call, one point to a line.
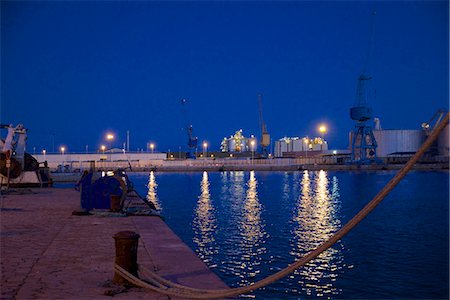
point(48, 253)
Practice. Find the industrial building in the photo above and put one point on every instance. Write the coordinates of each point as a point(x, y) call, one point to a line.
point(296, 146)
point(405, 142)
point(238, 143)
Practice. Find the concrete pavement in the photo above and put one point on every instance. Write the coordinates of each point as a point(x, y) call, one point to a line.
point(46, 252)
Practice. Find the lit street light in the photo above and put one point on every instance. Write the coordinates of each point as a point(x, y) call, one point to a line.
point(44, 152)
point(152, 146)
point(306, 141)
point(205, 149)
point(252, 143)
point(62, 156)
point(103, 147)
point(322, 130)
point(110, 138)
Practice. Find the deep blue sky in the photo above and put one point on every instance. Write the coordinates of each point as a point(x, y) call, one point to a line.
point(76, 69)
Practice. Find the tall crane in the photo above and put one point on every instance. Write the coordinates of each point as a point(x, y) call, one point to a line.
point(265, 136)
point(364, 145)
point(192, 140)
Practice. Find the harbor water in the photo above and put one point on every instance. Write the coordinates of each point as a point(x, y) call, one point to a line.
point(246, 226)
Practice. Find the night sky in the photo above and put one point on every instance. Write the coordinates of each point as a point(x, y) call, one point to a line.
point(71, 71)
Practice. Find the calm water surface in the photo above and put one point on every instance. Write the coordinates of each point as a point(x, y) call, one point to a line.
point(247, 225)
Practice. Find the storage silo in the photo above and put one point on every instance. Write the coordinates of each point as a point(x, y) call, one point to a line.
point(398, 141)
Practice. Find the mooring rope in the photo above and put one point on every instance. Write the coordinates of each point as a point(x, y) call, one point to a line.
point(164, 286)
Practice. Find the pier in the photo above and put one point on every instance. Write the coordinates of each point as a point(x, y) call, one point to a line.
point(46, 252)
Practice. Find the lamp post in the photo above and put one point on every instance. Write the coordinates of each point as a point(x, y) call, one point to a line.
point(110, 138)
point(152, 146)
point(62, 148)
point(44, 152)
point(306, 141)
point(205, 149)
point(103, 147)
point(322, 130)
point(252, 143)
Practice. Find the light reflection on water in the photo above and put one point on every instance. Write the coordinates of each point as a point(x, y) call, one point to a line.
point(152, 194)
point(316, 219)
point(252, 232)
point(204, 224)
point(246, 226)
point(244, 234)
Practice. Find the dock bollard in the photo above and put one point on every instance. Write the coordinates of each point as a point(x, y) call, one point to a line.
point(126, 243)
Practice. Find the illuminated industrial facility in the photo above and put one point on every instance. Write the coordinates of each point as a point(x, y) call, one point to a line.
point(238, 143)
point(297, 147)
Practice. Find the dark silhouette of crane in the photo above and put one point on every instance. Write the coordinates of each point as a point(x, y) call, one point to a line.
point(192, 141)
point(364, 145)
point(265, 136)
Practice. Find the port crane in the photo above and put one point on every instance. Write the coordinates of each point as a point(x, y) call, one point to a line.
point(192, 140)
point(363, 143)
point(265, 136)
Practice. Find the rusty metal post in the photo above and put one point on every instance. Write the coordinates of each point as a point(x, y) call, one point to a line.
point(126, 243)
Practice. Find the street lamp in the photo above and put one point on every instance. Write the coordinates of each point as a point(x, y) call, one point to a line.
point(322, 130)
point(252, 143)
point(62, 156)
point(103, 147)
point(205, 149)
point(110, 137)
point(152, 146)
point(44, 152)
point(306, 141)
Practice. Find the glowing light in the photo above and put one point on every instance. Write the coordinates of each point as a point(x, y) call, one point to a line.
point(205, 222)
point(322, 129)
point(62, 149)
point(109, 136)
point(152, 193)
point(316, 218)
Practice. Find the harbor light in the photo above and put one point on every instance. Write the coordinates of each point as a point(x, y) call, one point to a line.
point(110, 137)
point(252, 143)
point(205, 149)
point(322, 130)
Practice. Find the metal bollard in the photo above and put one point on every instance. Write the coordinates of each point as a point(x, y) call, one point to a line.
point(126, 243)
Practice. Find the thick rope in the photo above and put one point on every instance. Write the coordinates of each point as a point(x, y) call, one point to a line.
point(169, 288)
